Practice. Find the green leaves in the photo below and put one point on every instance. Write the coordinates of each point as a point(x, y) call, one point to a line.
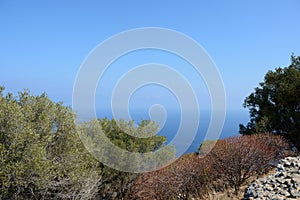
point(275, 104)
point(42, 155)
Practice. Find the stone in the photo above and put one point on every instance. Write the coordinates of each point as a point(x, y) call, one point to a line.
point(287, 183)
point(264, 180)
point(280, 168)
point(269, 188)
point(280, 180)
point(284, 193)
point(288, 176)
point(296, 178)
point(295, 193)
point(284, 184)
point(287, 164)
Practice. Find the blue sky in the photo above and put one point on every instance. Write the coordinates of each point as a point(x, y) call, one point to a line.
point(43, 43)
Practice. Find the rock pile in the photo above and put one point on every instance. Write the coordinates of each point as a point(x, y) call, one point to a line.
point(284, 184)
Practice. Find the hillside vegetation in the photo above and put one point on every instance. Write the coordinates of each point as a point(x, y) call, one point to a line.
point(42, 155)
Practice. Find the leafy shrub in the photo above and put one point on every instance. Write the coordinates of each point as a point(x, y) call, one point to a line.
point(42, 155)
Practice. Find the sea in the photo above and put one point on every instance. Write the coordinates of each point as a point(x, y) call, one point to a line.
point(171, 125)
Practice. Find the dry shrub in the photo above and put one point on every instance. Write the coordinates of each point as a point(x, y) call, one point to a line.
point(187, 177)
point(277, 143)
point(236, 159)
point(229, 164)
point(206, 147)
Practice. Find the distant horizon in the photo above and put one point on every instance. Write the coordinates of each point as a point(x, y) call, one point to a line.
point(230, 128)
point(144, 56)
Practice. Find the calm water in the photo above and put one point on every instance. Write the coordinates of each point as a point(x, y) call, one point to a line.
point(172, 122)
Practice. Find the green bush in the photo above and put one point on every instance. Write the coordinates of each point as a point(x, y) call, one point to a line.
point(42, 155)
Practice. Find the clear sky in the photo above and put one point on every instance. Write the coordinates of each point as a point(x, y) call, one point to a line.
point(43, 43)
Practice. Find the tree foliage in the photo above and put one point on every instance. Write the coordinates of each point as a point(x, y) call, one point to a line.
point(274, 106)
point(115, 183)
point(42, 155)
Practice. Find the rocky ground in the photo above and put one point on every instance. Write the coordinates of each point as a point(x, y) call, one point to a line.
point(284, 184)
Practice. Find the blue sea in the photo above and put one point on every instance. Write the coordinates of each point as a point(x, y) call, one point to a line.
point(172, 122)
